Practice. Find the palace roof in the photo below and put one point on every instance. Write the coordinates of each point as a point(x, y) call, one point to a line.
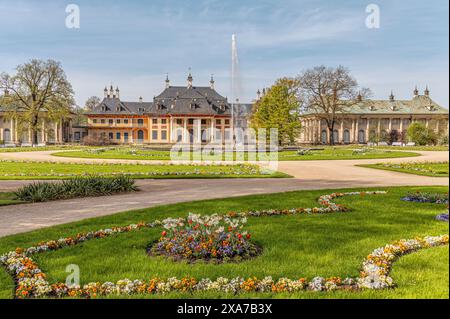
point(418, 105)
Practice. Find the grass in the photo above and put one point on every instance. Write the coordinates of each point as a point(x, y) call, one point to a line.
point(41, 148)
point(293, 246)
point(35, 170)
point(433, 148)
point(424, 169)
point(327, 153)
point(9, 199)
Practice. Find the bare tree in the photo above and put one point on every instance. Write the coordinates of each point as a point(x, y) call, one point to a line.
point(38, 90)
point(92, 102)
point(329, 92)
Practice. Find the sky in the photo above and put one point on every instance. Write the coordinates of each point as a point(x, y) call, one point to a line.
point(133, 44)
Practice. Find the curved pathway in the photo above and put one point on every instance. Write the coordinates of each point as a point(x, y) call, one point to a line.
point(307, 175)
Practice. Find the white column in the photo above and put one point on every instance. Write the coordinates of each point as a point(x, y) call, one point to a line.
point(357, 130)
point(379, 128)
point(43, 132)
point(390, 124)
point(427, 123)
point(342, 132)
point(353, 132)
point(212, 136)
point(436, 129)
point(16, 133)
point(171, 135)
point(199, 131)
point(1, 134)
point(185, 131)
point(56, 133)
point(367, 130)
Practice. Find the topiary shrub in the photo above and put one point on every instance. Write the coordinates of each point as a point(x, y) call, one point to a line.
point(421, 135)
point(75, 188)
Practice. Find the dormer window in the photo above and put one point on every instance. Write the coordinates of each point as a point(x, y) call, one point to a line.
point(393, 107)
point(104, 108)
point(372, 107)
point(430, 107)
point(141, 110)
point(118, 109)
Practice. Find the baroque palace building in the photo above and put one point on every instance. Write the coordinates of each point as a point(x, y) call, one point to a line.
point(375, 118)
point(180, 114)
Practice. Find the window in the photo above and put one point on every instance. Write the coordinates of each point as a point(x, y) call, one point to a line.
point(102, 121)
point(111, 135)
point(154, 135)
point(118, 121)
point(227, 122)
point(218, 122)
point(125, 137)
point(94, 121)
point(118, 136)
point(111, 122)
point(203, 122)
point(164, 135)
point(155, 121)
point(76, 136)
point(191, 121)
point(163, 121)
point(179, 121)
point(140, 122)
point(125, 121)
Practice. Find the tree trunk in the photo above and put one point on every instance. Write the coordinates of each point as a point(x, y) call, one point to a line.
point(331, 134)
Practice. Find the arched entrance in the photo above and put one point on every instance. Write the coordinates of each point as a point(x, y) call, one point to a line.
point(346, 137)
point(7, 136)
point(140, 136)
point(361, 137)
point(335, 136)
point(324, 137)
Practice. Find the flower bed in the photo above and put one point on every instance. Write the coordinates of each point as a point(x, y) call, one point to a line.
point(31, 282)
point(420, 167)
point(420, 197)
point(215, 238)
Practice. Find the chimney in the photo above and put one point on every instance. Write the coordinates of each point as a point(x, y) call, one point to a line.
point(111, 92)
point(190, 80)
point(167, 81)
point(416, 92)
point(427, 92)
point(392, 97)
point(140, 99)
point(117, 92)
point(106, 92)
point(212, 82)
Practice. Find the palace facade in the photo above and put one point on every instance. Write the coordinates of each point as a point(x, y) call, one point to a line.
point(369, 120)
point(180, 114)
point(50, 132)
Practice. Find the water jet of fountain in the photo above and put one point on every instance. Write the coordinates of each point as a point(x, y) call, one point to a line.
point(236, 83)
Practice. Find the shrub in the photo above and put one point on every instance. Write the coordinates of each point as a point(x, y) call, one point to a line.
point(73, 188)
point(443, 139)
point(421, 135)
point(97, 141)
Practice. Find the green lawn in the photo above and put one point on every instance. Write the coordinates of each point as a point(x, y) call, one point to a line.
point(436, 148)
point(322, 153)
point(424, 169)
point(293, 246)
point(35, 170)
point(42, 148)
point(8, 199)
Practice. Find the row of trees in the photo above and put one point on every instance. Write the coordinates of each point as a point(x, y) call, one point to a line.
point(322, 90)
